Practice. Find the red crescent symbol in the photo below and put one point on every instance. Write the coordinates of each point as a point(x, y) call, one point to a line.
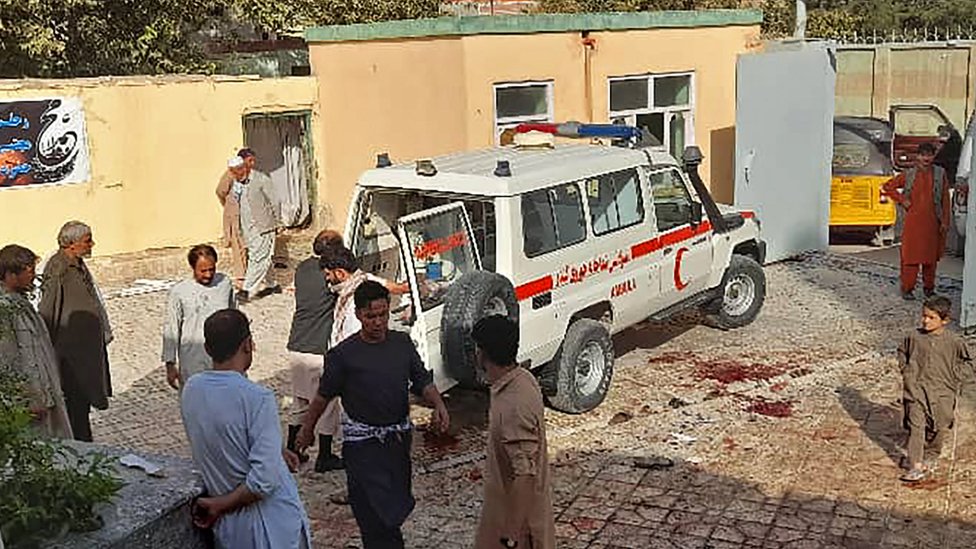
point(677, 269)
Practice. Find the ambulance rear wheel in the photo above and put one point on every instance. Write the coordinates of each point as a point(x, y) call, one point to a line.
point(474, 296)
point(582, 370)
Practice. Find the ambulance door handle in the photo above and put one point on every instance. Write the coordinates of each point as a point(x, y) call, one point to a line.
point(667, 250)
point(542, 300)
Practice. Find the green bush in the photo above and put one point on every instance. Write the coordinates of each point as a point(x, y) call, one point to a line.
point(48, 488)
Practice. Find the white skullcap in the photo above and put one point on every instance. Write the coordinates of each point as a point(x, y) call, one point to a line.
point(235, 162)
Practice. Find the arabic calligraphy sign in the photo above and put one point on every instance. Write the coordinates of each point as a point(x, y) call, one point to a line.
point(42, 141)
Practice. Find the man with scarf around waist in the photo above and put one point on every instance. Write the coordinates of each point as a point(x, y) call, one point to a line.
point(371, 371)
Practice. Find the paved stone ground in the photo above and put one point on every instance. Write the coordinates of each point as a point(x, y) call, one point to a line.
point(785, 434)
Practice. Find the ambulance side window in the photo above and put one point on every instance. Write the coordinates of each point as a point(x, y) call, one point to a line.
point(552, 219)
point(614, 200)
point(672, 203)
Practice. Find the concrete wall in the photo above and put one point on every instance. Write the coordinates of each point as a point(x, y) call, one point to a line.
point(872, 78)
point(157, 147)
point(429, 95)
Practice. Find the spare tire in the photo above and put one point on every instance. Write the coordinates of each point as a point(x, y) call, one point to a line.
point(474, 296)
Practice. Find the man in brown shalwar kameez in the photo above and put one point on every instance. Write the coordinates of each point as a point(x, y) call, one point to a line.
point(517, 508)
point(75, 315)
point(229, 192)
point(933, 360)
point(25, 346)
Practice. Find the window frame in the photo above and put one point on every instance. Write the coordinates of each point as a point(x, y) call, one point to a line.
point(692, 198)
point(640, 201)
point(583, 207)
point(668, 112)
point(501, 124)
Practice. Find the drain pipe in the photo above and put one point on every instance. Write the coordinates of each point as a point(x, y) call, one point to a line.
point(589, 45)
point(800, 31)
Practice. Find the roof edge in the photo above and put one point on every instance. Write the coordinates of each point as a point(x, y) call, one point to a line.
point(531, 24)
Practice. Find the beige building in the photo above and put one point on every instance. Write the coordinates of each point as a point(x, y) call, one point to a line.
point(428, 87)
point(154, 149)
point(145, 153)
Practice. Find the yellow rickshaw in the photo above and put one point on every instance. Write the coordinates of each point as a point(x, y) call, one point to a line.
point(861, 166)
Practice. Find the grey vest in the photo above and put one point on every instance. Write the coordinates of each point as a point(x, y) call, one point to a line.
point(938, 183)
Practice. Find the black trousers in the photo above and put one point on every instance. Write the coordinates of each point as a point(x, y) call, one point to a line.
point(375, 533)
point(378, 475)
point(79, 410)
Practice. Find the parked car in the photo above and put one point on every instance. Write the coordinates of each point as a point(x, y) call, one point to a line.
point(574, 241)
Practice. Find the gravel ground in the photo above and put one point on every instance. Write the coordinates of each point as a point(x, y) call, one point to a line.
point(792, 419)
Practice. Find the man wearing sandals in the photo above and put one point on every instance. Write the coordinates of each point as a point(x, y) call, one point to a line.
point(933, 359)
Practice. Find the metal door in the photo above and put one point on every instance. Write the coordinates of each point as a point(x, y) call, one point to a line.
point(968, 317)
point(438, 247)
point(784, 140)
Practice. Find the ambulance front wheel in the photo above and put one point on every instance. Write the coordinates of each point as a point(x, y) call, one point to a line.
point(743, 294)
point(580, 373)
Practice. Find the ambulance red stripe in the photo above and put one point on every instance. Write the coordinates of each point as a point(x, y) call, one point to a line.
point(545, 284)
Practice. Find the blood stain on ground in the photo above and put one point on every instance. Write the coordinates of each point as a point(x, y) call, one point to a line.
point(440, 442)
point(777, 387)
point(783, 408)
point(474, 475)
point(929, 484)
point(729, 444)
point(733, 371)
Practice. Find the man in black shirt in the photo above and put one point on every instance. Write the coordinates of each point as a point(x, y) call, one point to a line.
point(311, 329)
point(372, 372)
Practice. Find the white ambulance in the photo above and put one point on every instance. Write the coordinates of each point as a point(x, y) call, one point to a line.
point(575, 241)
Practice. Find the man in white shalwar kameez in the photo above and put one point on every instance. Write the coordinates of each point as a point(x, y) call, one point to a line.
point(235, 439)
point(190, 303)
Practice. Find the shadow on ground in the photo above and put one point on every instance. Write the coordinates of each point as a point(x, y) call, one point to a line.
point(882, 423)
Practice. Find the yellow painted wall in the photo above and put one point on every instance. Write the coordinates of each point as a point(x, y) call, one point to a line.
point(157, 148)
point(402, 97)
point(428, 96)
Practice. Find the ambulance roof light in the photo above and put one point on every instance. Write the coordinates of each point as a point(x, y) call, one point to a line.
point(578, 130)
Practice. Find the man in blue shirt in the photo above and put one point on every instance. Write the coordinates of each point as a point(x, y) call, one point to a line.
point(235, 438)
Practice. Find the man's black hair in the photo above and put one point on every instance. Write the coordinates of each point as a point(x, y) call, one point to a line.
point(15, 259)
point(201, 250)
point(498, 339)
point(338, 257)
point(926, 148)
point(939, 305)
point(223, 333)
point(246, 152)
point(325, 239)
point(368, 292)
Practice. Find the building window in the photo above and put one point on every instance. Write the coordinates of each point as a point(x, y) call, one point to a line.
point(615, 201)
point(521, 102)
point(664, 104)
point(552, 219)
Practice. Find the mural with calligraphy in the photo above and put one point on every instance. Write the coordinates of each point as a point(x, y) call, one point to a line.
point(42, 141)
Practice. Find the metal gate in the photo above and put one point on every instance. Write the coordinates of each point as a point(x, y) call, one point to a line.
point(967, 318)
point(784, 142)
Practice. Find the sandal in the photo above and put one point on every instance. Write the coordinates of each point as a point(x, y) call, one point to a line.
point(915, 475)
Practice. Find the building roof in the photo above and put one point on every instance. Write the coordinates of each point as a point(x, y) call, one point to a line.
point(532, 168)
point(532, 24)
